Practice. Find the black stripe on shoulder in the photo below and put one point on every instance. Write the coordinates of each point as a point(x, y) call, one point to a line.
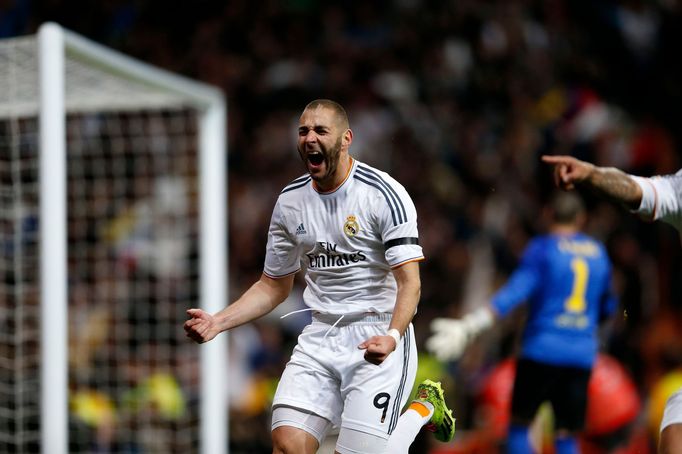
point(299, 183)
point(299, 179)
point(371, 173)
point(381, 189)
point(400, 241)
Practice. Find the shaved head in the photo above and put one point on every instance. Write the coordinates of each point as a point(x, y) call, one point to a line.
point(339, 112)
point(567, 207)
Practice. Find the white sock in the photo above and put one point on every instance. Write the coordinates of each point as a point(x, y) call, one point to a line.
point(409, 425)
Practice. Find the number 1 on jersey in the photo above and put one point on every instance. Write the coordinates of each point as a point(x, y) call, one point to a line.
point(576, 303)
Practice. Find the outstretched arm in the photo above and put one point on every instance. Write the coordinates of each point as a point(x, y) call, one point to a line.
point(609, 181)
point(261, 298)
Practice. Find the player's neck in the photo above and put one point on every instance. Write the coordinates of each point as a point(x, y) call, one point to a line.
point(340, 175)
point(564, 229)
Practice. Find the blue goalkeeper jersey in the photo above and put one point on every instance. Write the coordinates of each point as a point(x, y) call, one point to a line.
point(566, 281)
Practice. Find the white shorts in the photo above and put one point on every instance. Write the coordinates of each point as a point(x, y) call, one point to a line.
point(673, 410)
point(330, 377)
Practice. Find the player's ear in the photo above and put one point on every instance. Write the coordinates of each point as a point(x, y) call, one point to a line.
point(581, 219)
point(347, 138)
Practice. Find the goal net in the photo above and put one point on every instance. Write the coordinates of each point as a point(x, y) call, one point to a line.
point(112, 225)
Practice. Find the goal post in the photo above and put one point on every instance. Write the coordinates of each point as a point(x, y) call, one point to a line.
point(53, 242)
point(130, 199)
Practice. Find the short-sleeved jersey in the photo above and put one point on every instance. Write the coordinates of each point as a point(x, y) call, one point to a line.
point(347, 240)
point(662, 198)
point(566, 281)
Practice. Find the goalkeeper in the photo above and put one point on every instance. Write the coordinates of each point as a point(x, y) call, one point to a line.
point(565, 277)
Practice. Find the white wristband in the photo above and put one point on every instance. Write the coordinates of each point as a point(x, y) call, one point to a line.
point(395, 334)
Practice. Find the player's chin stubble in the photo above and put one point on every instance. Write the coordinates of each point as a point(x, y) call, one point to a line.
point(331, 159)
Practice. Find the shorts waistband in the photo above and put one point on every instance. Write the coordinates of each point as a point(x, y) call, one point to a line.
point(366, 317)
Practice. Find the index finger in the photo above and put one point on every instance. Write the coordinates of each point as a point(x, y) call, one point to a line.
point(550, 159)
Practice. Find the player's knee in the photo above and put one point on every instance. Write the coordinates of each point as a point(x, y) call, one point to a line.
point(290, 440)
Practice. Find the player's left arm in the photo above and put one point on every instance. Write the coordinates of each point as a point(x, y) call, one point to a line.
point(409, 291)
point(523, 282)
point(377, 348)
point(396, 219)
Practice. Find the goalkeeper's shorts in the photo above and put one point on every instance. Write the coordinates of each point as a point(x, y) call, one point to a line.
point(564, 387)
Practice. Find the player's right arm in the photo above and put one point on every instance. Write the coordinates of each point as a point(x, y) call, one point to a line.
point(261, 298)
point(609, 181)
point(652, 198)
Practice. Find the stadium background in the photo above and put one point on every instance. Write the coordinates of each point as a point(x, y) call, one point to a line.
point(457, 100)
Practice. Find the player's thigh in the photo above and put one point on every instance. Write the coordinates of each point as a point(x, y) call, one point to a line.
point(670, 441)
point(569, 399)
point(308, 383)
point(532, 386)
point(374, 395)
point(296, 430)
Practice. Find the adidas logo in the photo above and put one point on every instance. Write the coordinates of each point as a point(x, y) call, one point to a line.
point(300, 230)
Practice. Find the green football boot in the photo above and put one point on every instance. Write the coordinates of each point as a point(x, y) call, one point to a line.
point(442, 423)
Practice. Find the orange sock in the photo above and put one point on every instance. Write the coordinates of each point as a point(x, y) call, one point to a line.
point(420, 408)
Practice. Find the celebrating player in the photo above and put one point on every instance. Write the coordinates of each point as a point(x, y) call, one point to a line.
point(653, 198)
point(353, 230)
point(565, 277)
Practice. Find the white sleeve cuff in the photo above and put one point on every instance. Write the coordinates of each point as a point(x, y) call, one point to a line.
point(647, 207)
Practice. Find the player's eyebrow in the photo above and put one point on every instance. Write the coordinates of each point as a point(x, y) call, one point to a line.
point(319, 128)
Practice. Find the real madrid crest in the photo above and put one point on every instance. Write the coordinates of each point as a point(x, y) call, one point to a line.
point(351, 227)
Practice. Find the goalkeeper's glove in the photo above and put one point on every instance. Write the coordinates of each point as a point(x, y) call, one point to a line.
point(450, 337)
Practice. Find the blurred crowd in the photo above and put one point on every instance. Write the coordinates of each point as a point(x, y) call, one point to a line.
point(457, 100)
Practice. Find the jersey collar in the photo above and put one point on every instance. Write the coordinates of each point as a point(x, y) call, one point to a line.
point(331, 191)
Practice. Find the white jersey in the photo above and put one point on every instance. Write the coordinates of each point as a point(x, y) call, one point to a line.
point(346, 240)
point(662, 198)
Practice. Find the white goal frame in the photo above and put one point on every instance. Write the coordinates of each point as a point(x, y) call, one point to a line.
point(54, 43)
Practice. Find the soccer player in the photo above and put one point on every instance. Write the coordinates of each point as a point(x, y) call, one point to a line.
point(652, 198)
point(565, 278)
point(352, 229)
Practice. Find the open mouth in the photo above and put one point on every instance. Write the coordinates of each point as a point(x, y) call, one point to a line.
point(316, 158)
